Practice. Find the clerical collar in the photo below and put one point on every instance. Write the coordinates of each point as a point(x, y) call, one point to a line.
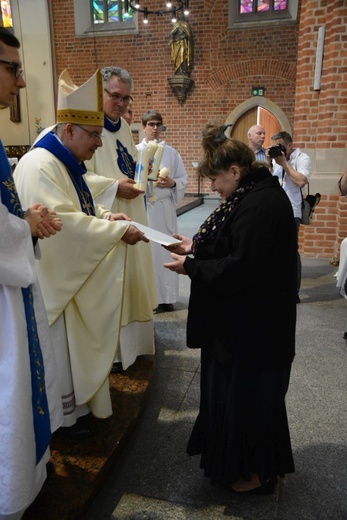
point(111, 126)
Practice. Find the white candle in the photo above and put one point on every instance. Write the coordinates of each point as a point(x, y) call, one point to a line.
point(152, 146)
point(164, 172)
point(156, 162)
point(141, 170)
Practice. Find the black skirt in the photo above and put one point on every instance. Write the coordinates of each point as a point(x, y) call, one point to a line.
point(242, 425)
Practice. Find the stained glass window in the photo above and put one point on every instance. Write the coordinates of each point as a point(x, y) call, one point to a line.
point(280, 5)
point(263, 5)
point(258, 6)
point(110, 11)
point(6, 14)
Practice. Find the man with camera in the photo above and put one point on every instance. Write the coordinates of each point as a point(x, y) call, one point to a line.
point(293, 168)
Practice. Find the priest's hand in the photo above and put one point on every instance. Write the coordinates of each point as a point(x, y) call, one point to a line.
point(134, 235)
point(127, 189)
point(118, 216)
point(42, 221)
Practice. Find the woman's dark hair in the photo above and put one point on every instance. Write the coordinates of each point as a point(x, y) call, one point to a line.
point(7, 38)
point(220, 152)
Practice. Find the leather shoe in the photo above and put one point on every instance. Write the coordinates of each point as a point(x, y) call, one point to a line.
point(165, 307)
point(266, 489)
point(117, 368)
point(76, 431)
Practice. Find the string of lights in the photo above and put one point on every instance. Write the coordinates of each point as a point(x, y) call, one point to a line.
point(171, 9)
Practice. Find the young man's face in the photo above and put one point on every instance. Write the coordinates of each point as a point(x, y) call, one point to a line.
point(153, 130)
point(9, 84)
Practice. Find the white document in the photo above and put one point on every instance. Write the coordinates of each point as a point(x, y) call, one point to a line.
point(156, 236)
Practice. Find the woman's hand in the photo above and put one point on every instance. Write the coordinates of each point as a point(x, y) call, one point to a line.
point(177, 264)
point(181, 249)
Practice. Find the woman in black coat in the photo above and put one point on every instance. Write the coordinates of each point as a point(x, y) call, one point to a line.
point(242, 314)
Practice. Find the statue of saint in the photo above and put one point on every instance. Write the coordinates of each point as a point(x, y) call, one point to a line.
point(181, 47)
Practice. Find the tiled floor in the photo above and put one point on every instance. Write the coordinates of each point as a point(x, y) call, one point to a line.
point(78, 469)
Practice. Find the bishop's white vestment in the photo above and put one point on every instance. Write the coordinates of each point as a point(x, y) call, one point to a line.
point(81, 275)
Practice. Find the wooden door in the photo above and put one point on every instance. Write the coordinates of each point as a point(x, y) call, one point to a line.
point(256, 116)
point(270, 123)
point(241, 126)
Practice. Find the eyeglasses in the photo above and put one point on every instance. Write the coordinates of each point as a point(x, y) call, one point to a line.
point(119, 99)
point(153, 124)
point(16, 69)
point(93, 135)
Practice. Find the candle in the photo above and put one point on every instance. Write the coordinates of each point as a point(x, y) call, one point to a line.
point(152, 147)
point(141, 170)
point(164, 172)
point(156, 162)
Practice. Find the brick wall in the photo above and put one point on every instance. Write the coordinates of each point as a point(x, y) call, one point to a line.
point(227, 64)
point(321, 116)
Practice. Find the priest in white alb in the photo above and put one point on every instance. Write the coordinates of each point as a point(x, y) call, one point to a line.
point(115, 162)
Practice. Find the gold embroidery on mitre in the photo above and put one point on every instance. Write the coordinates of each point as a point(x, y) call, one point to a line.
point(80, 117)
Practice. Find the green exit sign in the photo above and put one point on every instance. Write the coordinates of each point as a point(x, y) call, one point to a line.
point(258, 91)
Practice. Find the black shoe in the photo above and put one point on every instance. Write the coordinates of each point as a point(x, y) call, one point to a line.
point(117, 368)
point(76, 431)
point(166, 307)
point(345, 335)
point(266, 489)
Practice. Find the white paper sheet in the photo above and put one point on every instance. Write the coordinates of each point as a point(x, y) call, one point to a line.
point(156, 236)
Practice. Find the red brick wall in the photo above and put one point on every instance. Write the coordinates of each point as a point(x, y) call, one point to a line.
point(320, 119)
point(227, 63)
point(226, 66)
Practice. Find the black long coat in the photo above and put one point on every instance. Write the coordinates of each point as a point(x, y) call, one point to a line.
point(243, 284)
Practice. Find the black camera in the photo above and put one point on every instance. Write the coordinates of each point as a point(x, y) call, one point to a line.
point(276, 151)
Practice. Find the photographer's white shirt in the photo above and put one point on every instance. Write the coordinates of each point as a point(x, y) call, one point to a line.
point(301, 162)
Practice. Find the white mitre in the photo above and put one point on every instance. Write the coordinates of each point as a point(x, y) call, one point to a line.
point(81, 105)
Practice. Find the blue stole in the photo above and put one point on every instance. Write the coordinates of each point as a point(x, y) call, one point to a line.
point(42, 427)
point(125, 160)
point(75, 170)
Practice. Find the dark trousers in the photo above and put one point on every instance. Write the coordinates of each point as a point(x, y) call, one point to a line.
point(298, 267)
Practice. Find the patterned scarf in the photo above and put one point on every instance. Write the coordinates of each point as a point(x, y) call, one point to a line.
point(208, 230)
point(42, 426)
